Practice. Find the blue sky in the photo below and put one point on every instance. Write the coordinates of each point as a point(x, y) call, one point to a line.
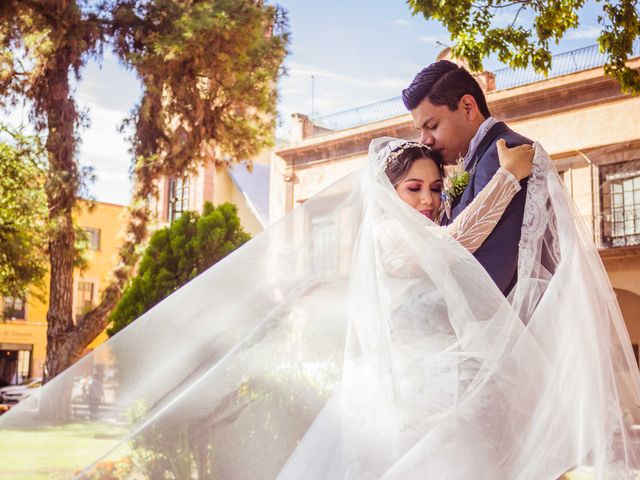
point(359, 52)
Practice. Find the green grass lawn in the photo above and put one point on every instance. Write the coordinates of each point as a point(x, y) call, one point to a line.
point(61, 452)
point(56, 452)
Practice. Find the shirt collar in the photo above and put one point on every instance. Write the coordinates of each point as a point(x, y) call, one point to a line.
point(477, 138)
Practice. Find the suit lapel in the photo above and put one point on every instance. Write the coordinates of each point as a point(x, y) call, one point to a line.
point(483, 146)
point(498, 129)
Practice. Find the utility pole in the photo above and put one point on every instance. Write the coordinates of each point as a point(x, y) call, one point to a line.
point(313, 84)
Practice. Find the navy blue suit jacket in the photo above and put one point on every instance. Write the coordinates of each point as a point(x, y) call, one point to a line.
point(499, 252)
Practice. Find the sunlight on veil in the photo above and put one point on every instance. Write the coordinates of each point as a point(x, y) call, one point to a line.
point(304, 355)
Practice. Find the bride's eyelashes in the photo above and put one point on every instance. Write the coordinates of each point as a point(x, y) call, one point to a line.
point(413, 185)
point(437, 187)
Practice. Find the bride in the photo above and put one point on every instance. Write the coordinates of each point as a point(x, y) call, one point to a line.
point(355, 338)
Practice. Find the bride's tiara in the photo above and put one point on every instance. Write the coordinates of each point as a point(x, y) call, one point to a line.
point(394, 148)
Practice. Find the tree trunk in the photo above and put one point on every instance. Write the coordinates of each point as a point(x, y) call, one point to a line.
point(67, 347)
point(145, 174)
point(66, 341)
point(61, 188)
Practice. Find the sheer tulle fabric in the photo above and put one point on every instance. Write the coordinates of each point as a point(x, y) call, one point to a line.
point(308, 354)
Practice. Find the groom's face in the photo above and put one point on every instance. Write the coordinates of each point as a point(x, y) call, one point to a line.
point(445, 130)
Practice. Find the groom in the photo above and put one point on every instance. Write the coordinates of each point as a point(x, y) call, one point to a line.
point(450, 111)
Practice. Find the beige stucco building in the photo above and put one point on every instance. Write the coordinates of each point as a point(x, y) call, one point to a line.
point(579, 115)
point(217, 183)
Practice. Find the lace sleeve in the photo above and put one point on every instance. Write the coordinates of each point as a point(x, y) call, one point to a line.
point(476, 222)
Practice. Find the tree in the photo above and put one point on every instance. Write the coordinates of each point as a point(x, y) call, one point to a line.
point(177, 254)
point(23, 213)
point(42, 42)
point(209, 70)
point(471, 26)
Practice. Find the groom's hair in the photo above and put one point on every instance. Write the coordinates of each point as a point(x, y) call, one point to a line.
point(444, 83)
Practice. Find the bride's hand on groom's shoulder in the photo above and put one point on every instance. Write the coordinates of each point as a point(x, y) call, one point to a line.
point(517, 160)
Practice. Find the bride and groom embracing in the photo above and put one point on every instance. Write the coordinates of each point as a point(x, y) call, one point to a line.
point(450, 111)
point(398, 325)
point(444, 377)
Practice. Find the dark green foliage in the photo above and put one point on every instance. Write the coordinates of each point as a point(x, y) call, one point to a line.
point(177, 254)
point(23, 213)
point(522, 43)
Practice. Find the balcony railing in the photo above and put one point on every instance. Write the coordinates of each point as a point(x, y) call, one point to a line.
point(561, 64)
point(375, 112)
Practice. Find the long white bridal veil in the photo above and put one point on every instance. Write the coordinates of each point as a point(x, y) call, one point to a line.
point(354, 340)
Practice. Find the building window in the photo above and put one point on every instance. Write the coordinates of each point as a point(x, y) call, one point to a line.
point(325, 249)
point(620, 200)
point(13, 308)
point(93, 238)
point(84, 300)
point(178, 197)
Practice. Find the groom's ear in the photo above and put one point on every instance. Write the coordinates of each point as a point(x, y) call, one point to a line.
point(469, 107)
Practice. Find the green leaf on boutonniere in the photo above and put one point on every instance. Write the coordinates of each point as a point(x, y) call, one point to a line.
point(455, 184)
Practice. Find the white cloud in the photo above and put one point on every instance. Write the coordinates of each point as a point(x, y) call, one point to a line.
point(585, 32)
point(334, 91)
point(401, 23)
point(291, 91)
point(503, 19)
point(112, 183)
point(102, 137)
point(411, 68)
point(301, 70)
point(111, 188)
point(370, 33)
point(434, 40)
point(393, 83)
point(296, 49)
point(106, 150)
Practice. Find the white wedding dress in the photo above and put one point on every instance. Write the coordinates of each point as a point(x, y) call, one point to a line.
point(355, 339)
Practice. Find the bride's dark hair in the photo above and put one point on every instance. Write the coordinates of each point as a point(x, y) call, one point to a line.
point(402, 157)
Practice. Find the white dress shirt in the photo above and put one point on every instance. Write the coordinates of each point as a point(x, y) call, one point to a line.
point(477, 138)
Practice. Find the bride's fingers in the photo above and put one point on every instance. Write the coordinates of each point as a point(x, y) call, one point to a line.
point(502, 145)
point(524, 147)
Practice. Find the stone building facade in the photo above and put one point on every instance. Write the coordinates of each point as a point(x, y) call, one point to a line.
point(588, 126)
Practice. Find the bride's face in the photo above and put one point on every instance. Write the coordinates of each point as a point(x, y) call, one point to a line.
point(421, 187)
